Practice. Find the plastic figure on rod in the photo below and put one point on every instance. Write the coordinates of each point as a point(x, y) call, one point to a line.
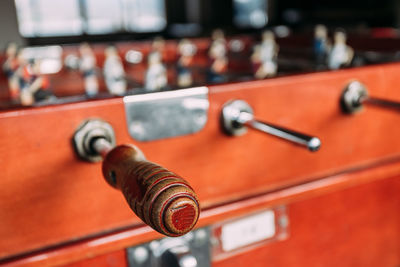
point(186, 50)
point(158, 45)
point(156, 74)
point(10, 67)
point(88, 70)
point(265, 56)
point(218, 58)
point(39, 84)
point(114, 74)
point(24, 77)
point(321, 47)
point(32, 85)
point(341, 54)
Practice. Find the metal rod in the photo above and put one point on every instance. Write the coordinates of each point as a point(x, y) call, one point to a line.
point(311, 142)
point(101, 146)
point(380, 102)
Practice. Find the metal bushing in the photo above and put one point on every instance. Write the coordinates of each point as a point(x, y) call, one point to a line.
point(230, 115)
point(89, 131)
point(351, 99)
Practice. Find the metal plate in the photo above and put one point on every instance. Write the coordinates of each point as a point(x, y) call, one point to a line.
point(242, 234)
point(151, 254)
point(166, 114)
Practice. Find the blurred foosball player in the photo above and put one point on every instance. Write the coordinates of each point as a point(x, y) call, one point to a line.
point(322, 46)
point(186, 50)
point(114, 73)
point(218, 58)
point(33, 86)
point(156, 74)
point(158, 45)
point(87, 67)
point(265, 55)
point(10, 67)
point(341, 54)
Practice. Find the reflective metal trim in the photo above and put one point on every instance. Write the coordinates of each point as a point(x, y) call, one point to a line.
point(166, 114)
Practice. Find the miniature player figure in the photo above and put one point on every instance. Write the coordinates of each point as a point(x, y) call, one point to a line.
point(158, 45)
point(114, 73)
point(32, 85)
point(156, 74)
point(10, 67)
point(218, 58)
point(265, 56)
point(39, 84)
point(341, 54)
point(24, 78)
point(322, 46)
point(88, 70)
point(186, 51)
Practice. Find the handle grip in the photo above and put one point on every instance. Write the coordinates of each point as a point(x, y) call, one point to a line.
point(159, 197)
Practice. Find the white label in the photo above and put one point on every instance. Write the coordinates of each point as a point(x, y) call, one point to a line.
point(249, 230)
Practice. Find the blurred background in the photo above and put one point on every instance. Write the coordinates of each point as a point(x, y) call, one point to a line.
point(34, 22)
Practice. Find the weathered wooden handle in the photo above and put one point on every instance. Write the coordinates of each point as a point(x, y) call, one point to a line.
point(159, 197)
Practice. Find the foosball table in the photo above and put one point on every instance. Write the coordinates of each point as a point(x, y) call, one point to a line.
point(220, 160)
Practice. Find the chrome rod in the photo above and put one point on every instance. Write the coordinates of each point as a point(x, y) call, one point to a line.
point(101, 146)
point(355, 96)
point(381, 103)
point(237, 116)
point(311, 142)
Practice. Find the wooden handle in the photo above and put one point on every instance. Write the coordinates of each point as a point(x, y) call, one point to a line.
point(159, 197)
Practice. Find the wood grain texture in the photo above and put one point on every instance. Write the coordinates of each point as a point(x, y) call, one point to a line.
point(354, 227)
point(119, 240)
point(342, 228)
point(162, 199)
point(114, 259)
point(52, 197)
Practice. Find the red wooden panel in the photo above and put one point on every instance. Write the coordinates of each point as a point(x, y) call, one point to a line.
point(115, 259)
point(52, 197)
point(343, 228)
point(354, 227)
point(118, 240)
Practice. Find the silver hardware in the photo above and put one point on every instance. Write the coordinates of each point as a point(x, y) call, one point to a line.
point(351, 97)
point(72, 62)
point(179, 256)
point(153, 245)
point(141, 254)
point(355, 96)
point(133, 56)
point(189, 236)
point(247, 232)
point(87, 133)
point(177, 251)
point(166, 114)
point(237, 116)
point(283, 221)
point(201, 236)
